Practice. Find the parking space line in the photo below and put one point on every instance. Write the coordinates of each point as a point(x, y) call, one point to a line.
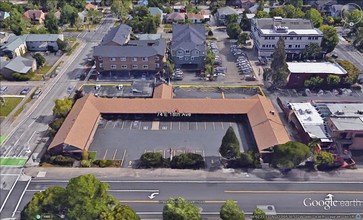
point(171, 125)
point(104, 156)
point(222, 125)
point(164, 153)
point(214, 126)
point(140, 125)
point(122, 126)
point(179, 125)
point(114, 124)
point(130, 125)
point(123, 158)
point(196, 125)
point(230, 123)
point(114, 155)
point(205, 125)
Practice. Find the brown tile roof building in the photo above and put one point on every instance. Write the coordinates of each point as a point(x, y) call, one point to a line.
point(76, 133)
point(37, 16)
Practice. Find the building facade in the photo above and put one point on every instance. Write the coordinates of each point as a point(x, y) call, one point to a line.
point(297, 34)
point(188, 49)
point(43, 42)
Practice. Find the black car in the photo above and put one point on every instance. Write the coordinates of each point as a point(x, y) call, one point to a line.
point(25, 91)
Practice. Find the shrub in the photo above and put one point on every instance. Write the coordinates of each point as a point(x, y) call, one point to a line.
point(103, 163)
point(187, 161)
point(85, 155)
point(151, 160)
point(62, 160)
point(85, 163)
point(21, 77)
point(245, 160)
point(92, 155)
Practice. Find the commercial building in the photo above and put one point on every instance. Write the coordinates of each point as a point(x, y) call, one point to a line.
point(301, 71)
point(77, 131)
point(297, 33)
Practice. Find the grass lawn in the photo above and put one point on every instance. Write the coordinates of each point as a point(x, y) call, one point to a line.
point(40, 72)
point(72, 49)
point(12, 161)
point(10, 104)
point(2, 138)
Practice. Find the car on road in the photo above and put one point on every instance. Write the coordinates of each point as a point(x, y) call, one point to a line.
point(334, 55)
point(25, 91)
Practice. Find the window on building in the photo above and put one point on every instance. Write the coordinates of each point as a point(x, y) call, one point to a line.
point(316, 38)
point(273, 38)
point(187, 52)
point(186, 58)
point(192, 58)
point(309, 38)
point(180, 58)
point(134, 66)
point(197, 52)
point(266, 38)
point(145, 66)
point(179, 52)
point(122, 58)
point(113, 67)
point(263, 45)
point(101, 65)
point(291, 38)
point(134, 59)
point(299, 38)
point(290, 46)
point(124, 67)
point(145, 59)
point(112, 58)
point(157, 65)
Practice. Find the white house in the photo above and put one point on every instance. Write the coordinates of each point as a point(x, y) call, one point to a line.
point(297, 33)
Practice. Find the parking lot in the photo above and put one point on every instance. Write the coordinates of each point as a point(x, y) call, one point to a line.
point(215, 93)
point(15, 89)
point(347, 94)
point(127, 140)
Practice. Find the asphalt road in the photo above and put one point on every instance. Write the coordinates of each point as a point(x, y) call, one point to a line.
point(348, 52)
point(30, 128)
point(286, 197)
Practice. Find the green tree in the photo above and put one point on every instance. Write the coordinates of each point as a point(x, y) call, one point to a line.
point(279, 66)
point(231, 211)
point(330, 20)
point(258, 214)
point(150, 25)
point(324, 159)
point(5, 6)
point(245, 22)
point(352, 71)
point(51, 23)
point(16, 22)
point(56, 124)
point(290, 11)
point(290, 154)
point(230, 147)
point(69, 15)
point(151, 159)
point(278, 12)
point(62, 45)
point(242, 38)
point(262, 14)
point(51, 201)
point(40, 60)
point(261, 5)
point(179, 209)
point(315, 17)
point(187, 161)
point(358, 38)
point(121, 9)
point(233, 30)
point(94, 16)
point(330, 38)
point(40, 30)
point(312, 50)
point(313, 82)
point(333, 80)
point(62, 107)
point(295, 3)
point(233, 18)
point(123, 212)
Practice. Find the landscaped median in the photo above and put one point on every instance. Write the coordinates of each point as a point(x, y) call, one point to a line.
point(72, 48)
point(4, 161)
point(8, 105)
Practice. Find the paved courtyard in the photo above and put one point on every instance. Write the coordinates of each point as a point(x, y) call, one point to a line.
point(127, 140)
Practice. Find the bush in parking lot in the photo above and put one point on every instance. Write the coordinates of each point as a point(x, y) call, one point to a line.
point(151, 160)
point(230, 147)
point(62, 160)
point(21, 77)
point(85, 155)
point(103, 163)
point(85, 163)
point(92, 155)
point(187, 161)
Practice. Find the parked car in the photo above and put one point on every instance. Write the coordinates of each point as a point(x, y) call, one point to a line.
point(3, 89)
point(25, 91)
point(250, 78)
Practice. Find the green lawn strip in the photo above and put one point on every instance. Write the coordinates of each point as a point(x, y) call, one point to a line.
point(10, 104)
point(39, 73)
point(12, 161)
point(28, 100)
point(2, 138)
point(72, 49)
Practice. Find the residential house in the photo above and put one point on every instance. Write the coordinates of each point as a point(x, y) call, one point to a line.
point(335, 10)
point(148, 36)
point(299, 72)
point(154, 11)
point(195, 18)
point(82, 16)
point(90, 6)
point(117, 36)
point(137, 56)
point(18, 65)
point(241, 3)
point(4, 15)
point(142, 2)
point(4, 36)
point(223, 13)
point(297, 33)
point(175, 17)
point(35, 16)
point(179, 8)
point(14, 46)
point(206, 14)
point(188, 49)
point(43, 42)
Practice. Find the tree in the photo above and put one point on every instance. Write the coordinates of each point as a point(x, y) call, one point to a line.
point(62, 45)
point(62, 107)
point(230, 211)
point(51, 23)
point(120, 212)
point(150, 25)
point(16, 22)
point(261, 5)
point(40, 60)
point(262, 14)
point(5, 6)
point(258, 214)
point(187, 161)
point(330, 20)
point(289, 11)
point(233, 30)
point(179, 209)
point(21, 77)
point(69, 15)
point(312, 50)
point(242, 38)
point(315, 17)
point(333, 80)
point(77, 95)
point(290, 154)
point(295, 3)
point(324, 159)
point(230, 147)
point(94, 16)
point(56, 124)
point(330, 38)
point(278, 12)
point(233, 18)
point(151, 159)
point(352, 71)
point(313, 82)
point(279, 66)
point(121, 9)
point(245, 22)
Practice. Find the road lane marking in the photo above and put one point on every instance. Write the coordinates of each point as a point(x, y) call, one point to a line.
point(293, 192)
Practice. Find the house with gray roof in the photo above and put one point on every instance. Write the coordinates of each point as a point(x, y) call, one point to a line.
point(188, 49)
point(14, 46)
point(18, 65)
point(43, 42)
point(117, 36)
point(223, 14)
point(4, 15)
